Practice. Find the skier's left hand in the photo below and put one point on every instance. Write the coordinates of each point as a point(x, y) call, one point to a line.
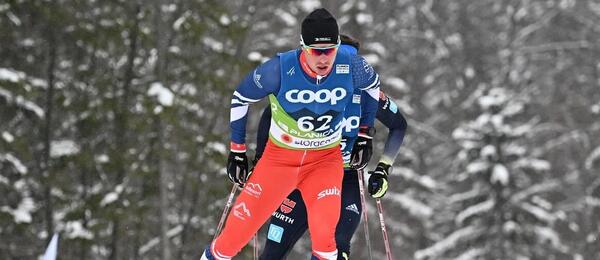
point(378, 183)
point(362, 149)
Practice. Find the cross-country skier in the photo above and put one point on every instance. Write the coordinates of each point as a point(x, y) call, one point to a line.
point(289, 222)
point(309, 89)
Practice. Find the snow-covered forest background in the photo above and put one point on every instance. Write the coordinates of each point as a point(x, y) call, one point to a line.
point(114, 123)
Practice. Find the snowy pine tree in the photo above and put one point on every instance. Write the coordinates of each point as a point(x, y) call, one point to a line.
point(497, 208)
point(20, 114)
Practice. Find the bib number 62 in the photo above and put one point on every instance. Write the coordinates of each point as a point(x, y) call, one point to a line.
point(307, 123)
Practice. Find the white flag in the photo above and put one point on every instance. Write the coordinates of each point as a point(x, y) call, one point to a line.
point(52, 249)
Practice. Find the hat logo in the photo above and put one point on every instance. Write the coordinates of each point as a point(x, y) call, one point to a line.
point(323, 39)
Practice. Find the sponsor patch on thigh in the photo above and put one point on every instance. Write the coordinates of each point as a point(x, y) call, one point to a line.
point(275, 233)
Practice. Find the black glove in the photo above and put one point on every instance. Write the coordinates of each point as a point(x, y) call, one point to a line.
point(237, 167)
point(378, 183)
point(362, 149)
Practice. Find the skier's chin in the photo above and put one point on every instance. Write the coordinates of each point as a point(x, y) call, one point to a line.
point(322, 70)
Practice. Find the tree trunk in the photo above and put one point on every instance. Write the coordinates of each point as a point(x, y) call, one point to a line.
point(47, 135)
point(162, 28)
point(163, 190)
point(121, 124)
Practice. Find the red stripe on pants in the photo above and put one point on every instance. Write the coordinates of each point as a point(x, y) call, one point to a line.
point(316, 173)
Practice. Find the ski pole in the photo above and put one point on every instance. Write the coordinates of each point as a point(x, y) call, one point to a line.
point(386, 242)
point(255, 244)
point(226, 210)
point(363, 202)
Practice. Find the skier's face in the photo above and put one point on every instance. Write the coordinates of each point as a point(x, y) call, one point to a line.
point(320, 57)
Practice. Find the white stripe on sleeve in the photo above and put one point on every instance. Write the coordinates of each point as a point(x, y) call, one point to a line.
point(238, 112)
point(238, 95)
point(374, 93)
point(236, 101)
point(375, 83)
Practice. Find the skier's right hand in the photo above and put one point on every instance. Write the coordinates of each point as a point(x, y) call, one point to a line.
point(237, 166)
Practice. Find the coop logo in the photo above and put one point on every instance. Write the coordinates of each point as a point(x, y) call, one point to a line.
point(253, 189)
point(241, 211)
point(322, 96)
point(350, 123)
point(329, 192)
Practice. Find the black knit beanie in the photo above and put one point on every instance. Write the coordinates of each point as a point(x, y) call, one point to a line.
point(320, 27)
